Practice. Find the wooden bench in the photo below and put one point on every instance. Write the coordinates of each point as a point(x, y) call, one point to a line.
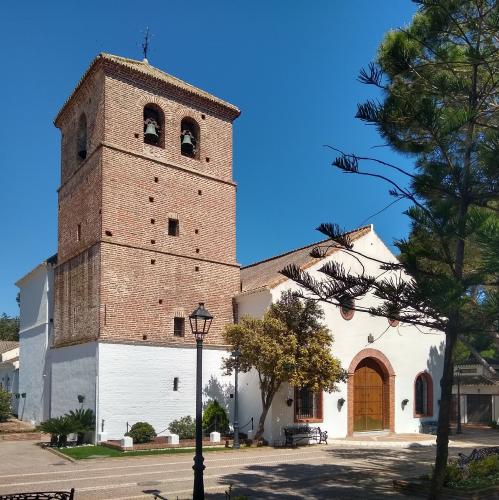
point(296, 433)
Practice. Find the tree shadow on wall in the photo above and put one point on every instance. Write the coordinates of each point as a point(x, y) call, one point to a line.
point(221, 392)
point(435, 362)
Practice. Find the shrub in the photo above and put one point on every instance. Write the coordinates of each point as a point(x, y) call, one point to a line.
point(484, 467)
point(185, 427)
point(142, 432)
point(84, 421)
point(5, 409)
point(215, 418)
point(59, 428)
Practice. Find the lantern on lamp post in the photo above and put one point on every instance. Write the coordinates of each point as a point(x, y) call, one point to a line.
point(200, 321)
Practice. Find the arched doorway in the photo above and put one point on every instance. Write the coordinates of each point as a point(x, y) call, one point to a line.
point(371, 393)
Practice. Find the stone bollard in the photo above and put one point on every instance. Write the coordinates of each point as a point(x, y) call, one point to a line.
point(127, 443)
point(172, 439)
point(215, 437)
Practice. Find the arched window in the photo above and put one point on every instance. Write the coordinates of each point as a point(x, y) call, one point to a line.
point(347, 305)
point(81, 144)
point(154, 125)
point(423, 395)
point(189, 138)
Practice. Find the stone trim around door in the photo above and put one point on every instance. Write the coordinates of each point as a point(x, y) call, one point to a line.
point(388, 372)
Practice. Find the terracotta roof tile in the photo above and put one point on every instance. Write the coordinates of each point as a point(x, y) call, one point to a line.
point(146, 69)
point(8, 345)
point(266, 272)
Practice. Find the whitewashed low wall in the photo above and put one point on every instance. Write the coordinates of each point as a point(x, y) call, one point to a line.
point(73, 373)
point(136, 384)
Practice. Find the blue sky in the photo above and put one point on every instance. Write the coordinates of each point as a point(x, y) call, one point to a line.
point(289, 65)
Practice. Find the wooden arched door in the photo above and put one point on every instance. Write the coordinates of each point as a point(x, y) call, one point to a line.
point(370, 394)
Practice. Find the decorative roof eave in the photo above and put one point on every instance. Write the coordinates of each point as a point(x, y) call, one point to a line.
point(51, 261)
point(130, 64)
point(252, 291)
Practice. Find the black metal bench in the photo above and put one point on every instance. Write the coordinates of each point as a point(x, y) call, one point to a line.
point(298, 433)
point(46, 495)
point(476, 454)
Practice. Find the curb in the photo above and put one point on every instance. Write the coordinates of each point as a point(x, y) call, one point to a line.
point(58, 453)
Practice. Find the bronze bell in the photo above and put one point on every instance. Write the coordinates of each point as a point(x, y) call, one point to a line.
point(187, 145)
point(151, 133)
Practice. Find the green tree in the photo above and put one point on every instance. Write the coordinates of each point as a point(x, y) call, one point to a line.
point(9, 327)
point(289, 344)
point(5, 409)
point(439, 106)
point(215, 418)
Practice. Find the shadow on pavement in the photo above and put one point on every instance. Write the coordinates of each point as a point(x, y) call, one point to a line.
point(364, 479)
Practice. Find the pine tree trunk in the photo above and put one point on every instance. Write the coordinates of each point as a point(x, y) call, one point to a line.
point(446, 381)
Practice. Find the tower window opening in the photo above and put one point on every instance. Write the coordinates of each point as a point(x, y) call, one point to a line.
point(175, 383)
point(173, 227)
point(81, 145)
point(78, 232)
point(178, 327)
point(153, 125)
point(189, 138)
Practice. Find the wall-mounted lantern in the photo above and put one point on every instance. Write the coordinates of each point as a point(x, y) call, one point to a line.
point(81, 398)
point(341, 402)
point(23, 395)
point(404, 403)
point(289, 401)
point(370, 338)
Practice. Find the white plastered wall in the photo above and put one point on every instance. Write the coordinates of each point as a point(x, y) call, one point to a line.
point(136, 384)
point(73, 374)
point(36, 292)
point(408, 349)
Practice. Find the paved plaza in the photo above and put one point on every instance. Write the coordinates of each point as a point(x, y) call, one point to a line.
point(340, 471)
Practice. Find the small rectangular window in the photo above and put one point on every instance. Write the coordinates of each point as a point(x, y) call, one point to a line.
point(78, 232)
point(173, 227)
point(175, 384)
point(178, 327)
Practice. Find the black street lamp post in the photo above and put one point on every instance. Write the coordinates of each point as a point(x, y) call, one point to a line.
point(200, 321)
point(236, 355)
point(459, 429)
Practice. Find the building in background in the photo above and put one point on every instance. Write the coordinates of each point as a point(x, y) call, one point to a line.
point(9, 370)
point(479, 392)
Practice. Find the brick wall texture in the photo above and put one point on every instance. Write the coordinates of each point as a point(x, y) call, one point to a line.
point(120, 276)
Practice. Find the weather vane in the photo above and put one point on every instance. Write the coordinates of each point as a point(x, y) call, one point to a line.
point(145, 43)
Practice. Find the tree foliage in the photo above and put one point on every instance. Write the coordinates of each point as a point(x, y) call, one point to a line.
point(5, 408)
point(9, 327)
point(438, 80)
point(289, 344)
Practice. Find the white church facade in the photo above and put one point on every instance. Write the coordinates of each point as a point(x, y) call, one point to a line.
point(103, 324)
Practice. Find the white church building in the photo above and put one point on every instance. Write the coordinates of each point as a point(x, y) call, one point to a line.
point(103, 324)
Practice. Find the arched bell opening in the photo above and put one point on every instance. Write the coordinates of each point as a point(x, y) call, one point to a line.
point(189, 138)
point(81, 141)
point(154, 121)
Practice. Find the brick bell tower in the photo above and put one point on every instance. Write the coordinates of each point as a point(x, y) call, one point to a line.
point(146, 208)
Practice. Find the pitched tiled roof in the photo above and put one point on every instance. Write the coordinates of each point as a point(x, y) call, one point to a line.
point(145, 68)
point(8, 345)
point(477, 380)
point(266, 272)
